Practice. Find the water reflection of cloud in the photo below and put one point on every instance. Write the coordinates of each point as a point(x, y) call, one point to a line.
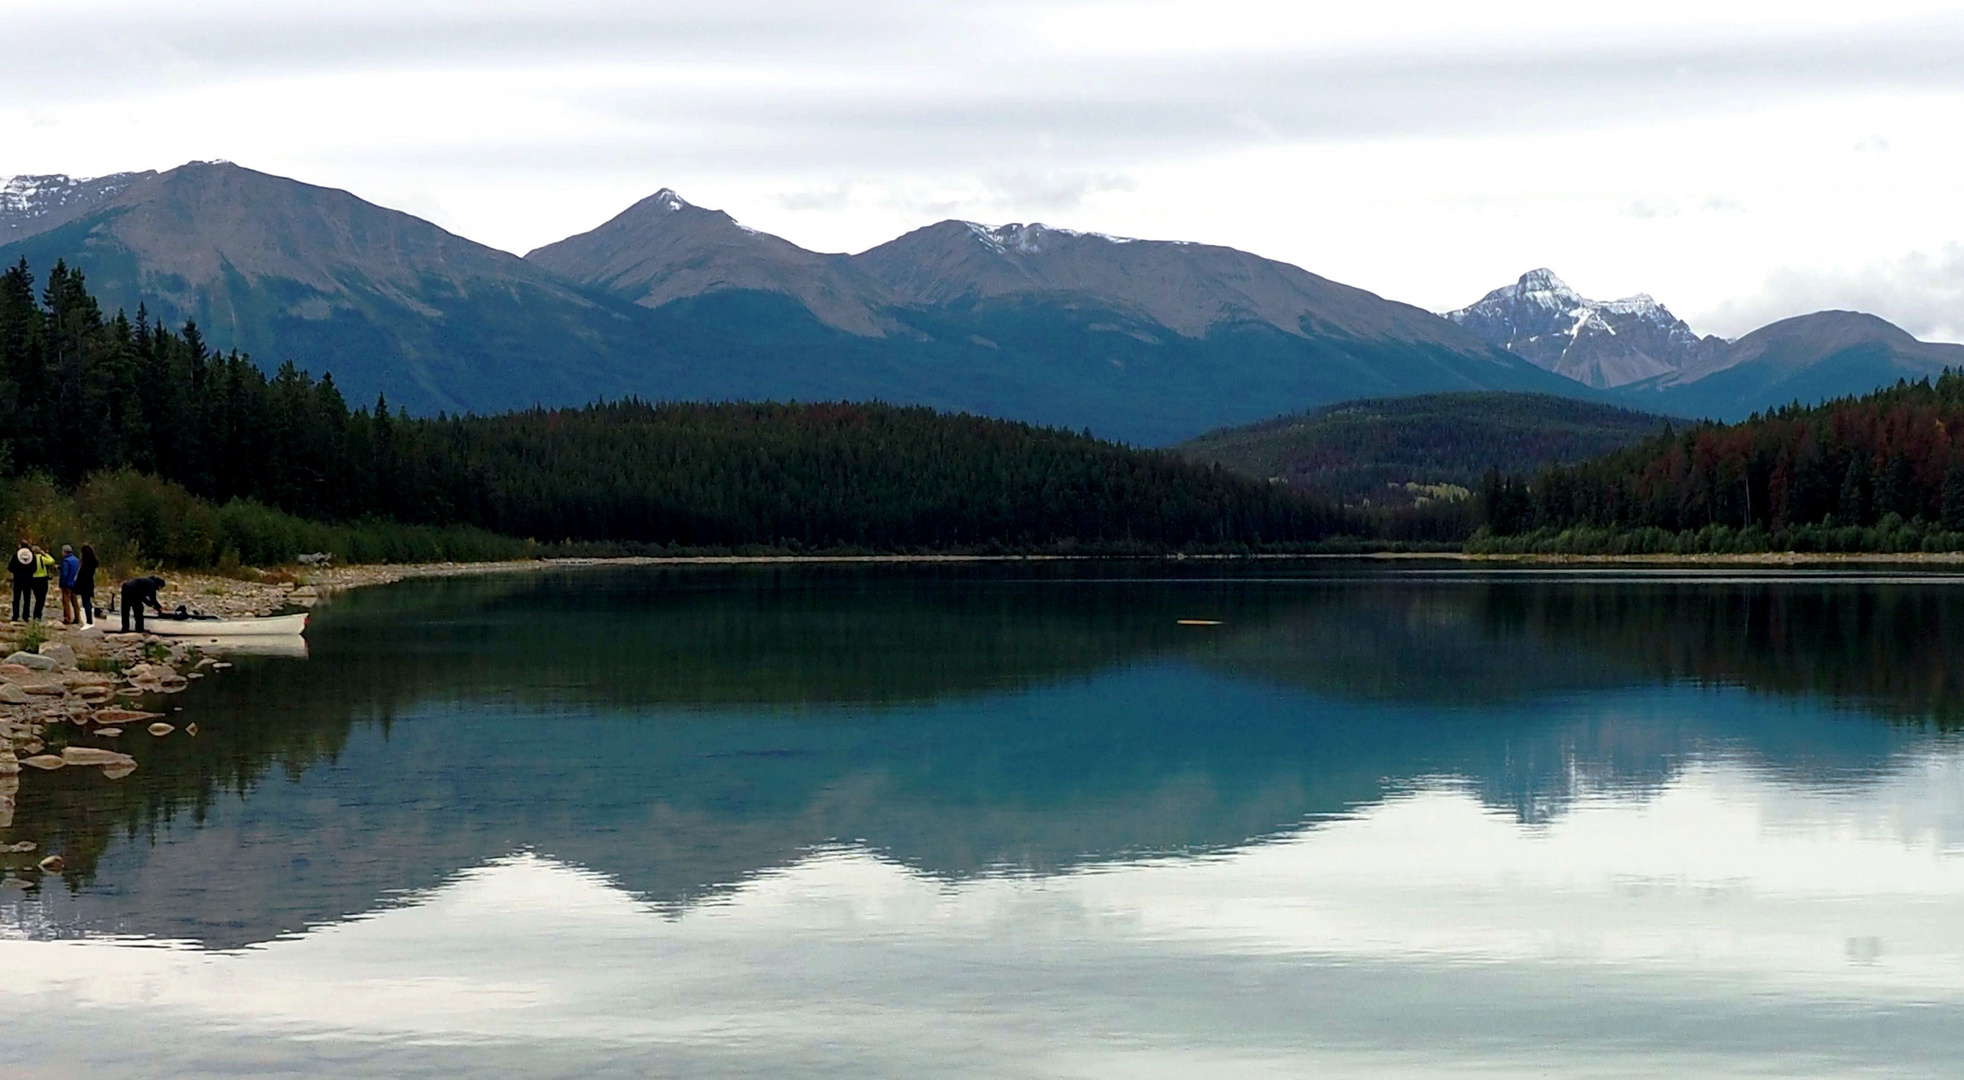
point(1727, 892)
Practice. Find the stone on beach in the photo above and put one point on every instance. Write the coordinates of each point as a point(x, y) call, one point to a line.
point(92, 755)
point(60, 653)
point(44, 761)
point(21, 847)
point(124, 716)
point(12, 694)
point(34, 661)
point(45, 689)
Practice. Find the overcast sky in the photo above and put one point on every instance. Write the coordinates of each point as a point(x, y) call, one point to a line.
point(1739, 161)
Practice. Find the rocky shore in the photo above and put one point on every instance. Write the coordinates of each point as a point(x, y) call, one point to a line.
point(76, 698)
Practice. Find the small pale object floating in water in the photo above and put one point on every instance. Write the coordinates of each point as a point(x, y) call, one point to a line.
point(109, 732)
point(161, 728)
point(190, 729)
point(1199, 622)
point(53, 864)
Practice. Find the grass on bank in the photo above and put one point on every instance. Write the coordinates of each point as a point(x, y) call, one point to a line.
point(1890, 536)
point(140, 521)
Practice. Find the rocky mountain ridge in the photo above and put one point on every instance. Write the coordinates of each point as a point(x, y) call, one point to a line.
point(1142, 340)
point(1604, 344)
point(34, 204)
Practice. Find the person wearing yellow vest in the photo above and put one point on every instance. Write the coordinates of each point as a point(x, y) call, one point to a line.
point(44, 571)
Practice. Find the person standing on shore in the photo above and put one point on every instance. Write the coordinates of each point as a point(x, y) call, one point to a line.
point(22, 569)
point(136, 593)
point(71, 609)
point(85, 584)
point(44, 572)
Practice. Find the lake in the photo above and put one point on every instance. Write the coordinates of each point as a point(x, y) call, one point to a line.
point(1029, 820)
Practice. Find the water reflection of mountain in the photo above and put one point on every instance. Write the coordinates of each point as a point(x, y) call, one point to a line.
point(680, 731)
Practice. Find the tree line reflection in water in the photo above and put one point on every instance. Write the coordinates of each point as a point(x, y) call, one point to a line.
point(681, 729)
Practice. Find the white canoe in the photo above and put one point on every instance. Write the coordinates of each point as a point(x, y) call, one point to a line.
point(271, 626)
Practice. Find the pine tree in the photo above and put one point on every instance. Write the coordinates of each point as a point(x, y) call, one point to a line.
point(1853, 507)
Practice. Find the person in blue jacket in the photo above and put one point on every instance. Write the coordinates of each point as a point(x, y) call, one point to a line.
point(71, 569)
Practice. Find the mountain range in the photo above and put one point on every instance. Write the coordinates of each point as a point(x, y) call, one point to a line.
point(1652, 360)
point(1145, 341)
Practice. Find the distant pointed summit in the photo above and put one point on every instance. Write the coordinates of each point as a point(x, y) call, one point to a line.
point(664, 249)
point(1600, 343)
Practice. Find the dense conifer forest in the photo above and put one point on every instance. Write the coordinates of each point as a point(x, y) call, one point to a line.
point(1882, 472)
point(1368, 451)
point(84, 395)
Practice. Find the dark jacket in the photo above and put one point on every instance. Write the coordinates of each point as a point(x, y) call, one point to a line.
point(23, 571)
point(85, 574)
point(143, 590)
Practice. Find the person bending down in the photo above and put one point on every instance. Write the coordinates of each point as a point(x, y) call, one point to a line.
point(138, 592)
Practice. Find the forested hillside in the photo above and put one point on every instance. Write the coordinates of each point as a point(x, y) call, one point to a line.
point(81, 393)
point(1368, 450)
point(1879, 472)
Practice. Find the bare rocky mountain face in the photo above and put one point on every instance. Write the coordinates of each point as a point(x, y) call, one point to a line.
point(1186, 288)
point(35, 204)
point(663, 249)
point(1599, 343)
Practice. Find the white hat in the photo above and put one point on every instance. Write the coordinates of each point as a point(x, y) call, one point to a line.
point(24, 555)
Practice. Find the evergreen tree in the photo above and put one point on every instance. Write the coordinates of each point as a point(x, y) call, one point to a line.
point(1953, 496)
point(1853, 506)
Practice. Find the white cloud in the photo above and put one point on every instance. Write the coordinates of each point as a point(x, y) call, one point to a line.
point(1422, 149)
point(1922, 292)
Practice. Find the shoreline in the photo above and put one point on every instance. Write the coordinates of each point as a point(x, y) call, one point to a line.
point(236, 597)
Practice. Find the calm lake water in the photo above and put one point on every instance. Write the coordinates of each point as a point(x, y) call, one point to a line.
point(1017, 821)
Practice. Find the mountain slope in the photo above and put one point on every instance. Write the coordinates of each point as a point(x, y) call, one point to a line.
point(1139, 340)
point(1359, 450)
point(385, 301)
point(663, 249)
point(1187, 288)
point(35, 204)
point(1598, 343)
point(1808, 358)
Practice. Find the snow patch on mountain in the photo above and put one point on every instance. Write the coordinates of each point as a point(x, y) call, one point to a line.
point(1029, 239)
point(29, 203)
point(1602, 343)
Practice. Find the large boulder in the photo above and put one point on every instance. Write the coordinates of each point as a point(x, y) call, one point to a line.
point(34, 661)
point(60, 653)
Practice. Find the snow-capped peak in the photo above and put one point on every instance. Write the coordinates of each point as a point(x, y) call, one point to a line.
point(1542, 280)
point(667, 200)
point(1603, 344)
point(1639, 304)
